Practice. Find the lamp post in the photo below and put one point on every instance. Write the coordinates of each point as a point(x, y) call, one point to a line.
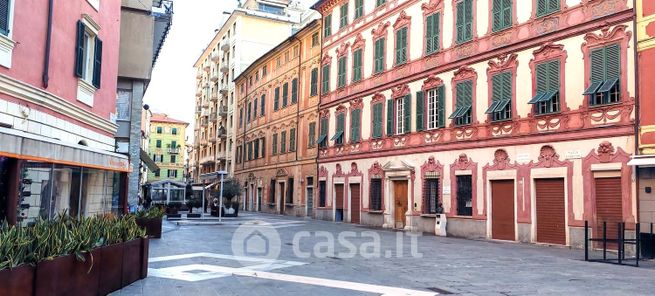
point(220, 197)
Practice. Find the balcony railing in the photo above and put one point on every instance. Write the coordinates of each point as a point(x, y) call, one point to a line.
point(212, 117)
point(222, 110)
point(215, 57)
point(174, 150)
point(221, 134)
point(214, 97)
point(225, 47)
point(224, 90)
point(225, 69)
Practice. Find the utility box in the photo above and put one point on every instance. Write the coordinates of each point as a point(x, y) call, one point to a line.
point(440, 225)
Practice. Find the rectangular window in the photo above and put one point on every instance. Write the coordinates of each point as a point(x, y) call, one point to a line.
point(359, 8)
point(312, 135)
point(256, 148)
point(160, 130)
point(285, 94)
point(399, 117)
point(605, 84)
point(400, 111)
point(546, 7)
point(158, 144)
point(276, 99)
point(355, 125)
point(380, 2)
point(327, 26)
point(343, 17)
point(463, 103)
point(263, 140)
point(401, 46)
point(340, 127)
point(249, 151)
point(431, 195)
point(341, 77)
point(325, 88)
point(313, 87)
point(432, 27)
point(262, 102)
point(289, 199)
point(254, 109)
point(357, 65)
point(283, 142)
point(315, 41)
point(379, 55)
point(464, 196)
point(294, 91)
point(322, 186)
point(292, 140)
point(436, 107)
point(546, 99)
point(157, 173)
point(274, 150)
point(5, 13)
point(263, 71)
point(464, 21)
point(322, 138)
point(249, 112)
point(88, 55)
point(174, 131)
point(173, 144)
point(376, 194)
point(377, 120)
point(502, 14)
point(501, 97)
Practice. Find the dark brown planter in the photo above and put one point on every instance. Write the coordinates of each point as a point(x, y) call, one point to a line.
point(111, 268)
point(85, 275)
point(145, 252)
point(18, 281)
point(171, 211)
point(132, 262)
point(53, 277)
point(152, 226)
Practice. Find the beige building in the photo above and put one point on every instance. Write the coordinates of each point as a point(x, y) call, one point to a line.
point(250, 31)
point(278, 112)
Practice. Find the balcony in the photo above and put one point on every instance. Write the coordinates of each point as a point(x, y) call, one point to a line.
point(214, 76)
point(224, 90)
point(221, 134)
point(225, 47)
point(222, 110)
point(225, 69)
point(207, 160)
point(207, 68)
point(174, 150)
point(215, 57)
point(212, 117)
point(220, 155)
point(204, 122)
point(214, 97)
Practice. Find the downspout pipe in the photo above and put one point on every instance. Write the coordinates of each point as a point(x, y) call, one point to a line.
point(637, 104)
point(298, 94)
point(46, 59)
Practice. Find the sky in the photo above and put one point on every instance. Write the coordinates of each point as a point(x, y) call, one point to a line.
point(173, 84)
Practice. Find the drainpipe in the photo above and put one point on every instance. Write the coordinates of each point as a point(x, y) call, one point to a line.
point(637, 105)
point(298, 95)
point(318, 109)
point(46, 58)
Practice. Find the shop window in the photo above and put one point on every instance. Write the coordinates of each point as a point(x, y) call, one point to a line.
point(464, 196)
point(376, 195)
point(431, 198)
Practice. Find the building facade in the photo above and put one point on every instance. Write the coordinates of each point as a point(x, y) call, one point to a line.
point(250, 31)
point(144, 26)
point(57, 99)
point(277, 105)
point(644, 161)
point(167, 148)
point(513, 118)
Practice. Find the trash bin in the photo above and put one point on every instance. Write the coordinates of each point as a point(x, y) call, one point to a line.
point(440, 225)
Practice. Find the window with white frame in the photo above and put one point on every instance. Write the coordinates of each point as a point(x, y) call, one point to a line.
point(400, 112)
point(433, 108)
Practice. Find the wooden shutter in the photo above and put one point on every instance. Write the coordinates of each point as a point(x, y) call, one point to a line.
point(263, 147)
point(468, 16)
point(326, 78)
point(294, 91)
point(407, 116)
point(314, 82)
point(597, 64)
point(496, 89)
point(312, 134)
point(97, 63)
point(274, 143)
point(550, 211)
point(420, 119)
point(79, 50)
point(507, 13)
point(429, 32)
point(442, 106)
point(324, 127)
point(612, 62)
point(379, 55)
point(262, 101)
point(354, 125)
point(276, 100)
point(460, 22)
point(542, 7)
point(285, 94)
point(553, 5)
point(497, 11)
point(553, 76)
point(292, 139)
point(542, 78)
point(5, 9)
point(389, 117)
point(377, 120)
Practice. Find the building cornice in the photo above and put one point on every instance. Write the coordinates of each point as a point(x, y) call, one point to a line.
point(31, 94)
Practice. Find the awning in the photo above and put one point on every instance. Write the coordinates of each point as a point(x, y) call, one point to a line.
point(642, 161)
point(145, 158)
point(22, 145)
point(211, 185)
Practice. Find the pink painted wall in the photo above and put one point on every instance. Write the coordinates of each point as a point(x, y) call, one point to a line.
point(29, 32)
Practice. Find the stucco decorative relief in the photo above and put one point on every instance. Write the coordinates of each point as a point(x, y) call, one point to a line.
point(381, 30)
point(402, 20)
point(432, 6)
point(432, 82)
point(343, 49)
point(322, 172)
point(400, 91)
point(376, 171)
point(358, 43)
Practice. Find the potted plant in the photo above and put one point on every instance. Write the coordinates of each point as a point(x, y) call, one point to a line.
point(231, 189)
point(172, 209)
point(131, 235)
point(16, 275)
point(151, 220)
point(194, 202)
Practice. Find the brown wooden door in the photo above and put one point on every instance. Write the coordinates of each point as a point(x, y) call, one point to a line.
point(502, 209)
point(400, 202)
point(338, 191)
point(282, 198)
point(608, 207)
point(551, 223)
point(354, 202)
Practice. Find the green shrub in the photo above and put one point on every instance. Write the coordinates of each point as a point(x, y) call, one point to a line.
point(152, 212)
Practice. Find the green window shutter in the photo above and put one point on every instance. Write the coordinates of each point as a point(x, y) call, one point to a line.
point(420, 119)
point(327, 26)
point(314, 82)
point(379, 55)
point(343, 16)
point(5, 12)
point(597, 57)
point(294, 91)
point(359, 8)
point(460, 22)
point(441, 92)
point(262, 101)
point(285, 94)
point(79, 50)
point(553, 5)
point(276, 100)
point(283, 142)
point(497, 12)
point(407, 117)
point(274, 149)
point(389, 117)
point(312, 134)
point(97, 63)
point(341, 118)
point(496, 88)
point(542, 7)
point(292, 139)
point(542, 78)
point(357, 65)
point(342, 71)
point(432, 33)
point(401, 46)
point(355, 125)
point(553, 76)
point(468, 16)
point(507, 13)
point(326, 79)
point(612, 62)
point(377, 120)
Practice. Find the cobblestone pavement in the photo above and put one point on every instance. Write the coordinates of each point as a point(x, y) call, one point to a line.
point(198, 259)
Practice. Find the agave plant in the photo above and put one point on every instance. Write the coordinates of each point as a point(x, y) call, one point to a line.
point(152, 212)
point(15, 245)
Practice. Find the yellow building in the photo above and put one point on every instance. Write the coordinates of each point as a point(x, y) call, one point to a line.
point(167, 148)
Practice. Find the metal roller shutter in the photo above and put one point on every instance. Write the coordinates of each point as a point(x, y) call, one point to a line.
point(608, 207)
point(551, 225)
